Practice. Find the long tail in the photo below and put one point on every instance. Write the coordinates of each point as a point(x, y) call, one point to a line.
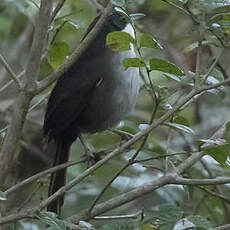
point(58, 179)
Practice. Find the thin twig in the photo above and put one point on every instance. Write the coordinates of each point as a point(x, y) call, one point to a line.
point(215, 194)
point(11, 82)
point(41, 174)
point(12, 75)
point(56, 10)
point(120, 217)
point(38, 103)
point(212, 67)
point(222, 227)
point(198, 66)
point(107, 186)
point(215, 181)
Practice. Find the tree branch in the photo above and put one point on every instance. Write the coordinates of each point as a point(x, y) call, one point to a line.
point(184, 181)
point(22, 102)
point(41, 174)
point(11, 72)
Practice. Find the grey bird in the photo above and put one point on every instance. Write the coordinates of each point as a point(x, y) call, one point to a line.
point(94, 94)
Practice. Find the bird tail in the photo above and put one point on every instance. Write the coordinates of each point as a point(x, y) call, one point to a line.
point(58, 179)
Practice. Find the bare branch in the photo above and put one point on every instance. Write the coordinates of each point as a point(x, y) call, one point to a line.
point(22, 102)
point(223, 227)
point(130, 216)
point(41, 174)
point(184, 181)
point(12, 75)
point(11, 82)
point(56, 10)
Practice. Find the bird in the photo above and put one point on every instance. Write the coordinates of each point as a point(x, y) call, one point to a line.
point(94, 94)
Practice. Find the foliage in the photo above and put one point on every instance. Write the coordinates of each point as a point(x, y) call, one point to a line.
point(167, 57)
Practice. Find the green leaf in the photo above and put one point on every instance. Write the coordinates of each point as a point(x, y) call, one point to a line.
point(57, 54)
point(132, 62)
point(164, 66)
point(2, 196)
point(180, 127)
point(200, 222)
point(51, 219)
point(148, 42)
point(119, 41)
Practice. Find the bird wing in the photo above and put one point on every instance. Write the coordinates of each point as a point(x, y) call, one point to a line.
point(68, 99)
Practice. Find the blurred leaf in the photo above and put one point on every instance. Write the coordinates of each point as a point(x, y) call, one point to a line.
point(226, 135)
point(217, 74)
point(57, 54)
point(119, 41)
point(184, 224)
point(2, 196)
point(183, 128)
point(119, 2)
point(220, 92)
point(195, 45)
point(143, 126)
point(217, 141)
point(120, 225)
point(211, 5)
point(149, 227)
point(164, 66)
point(51, 219)
point(132, 62)
point(181, 120)
point(183, 1)
point(168, 215)
point(200, 222)
point(46, 69)
point(173, 77)
point(68, 31)
point(219, 153)
point(148, 42)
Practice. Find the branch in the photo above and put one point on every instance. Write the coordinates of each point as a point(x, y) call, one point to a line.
point(215, 194)
point(168, 178)
point(114, 153)
point(11, 72)
point(56, 10)
point(41, 174)
point(223, 227)
point(4, 87)
point(22, 102)
point(184, 181)
point(78, 52)
point(130, 216)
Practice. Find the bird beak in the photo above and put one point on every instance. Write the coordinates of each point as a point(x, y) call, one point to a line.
point(137, 16)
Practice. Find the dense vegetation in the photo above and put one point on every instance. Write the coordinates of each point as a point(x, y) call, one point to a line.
point(167, 165)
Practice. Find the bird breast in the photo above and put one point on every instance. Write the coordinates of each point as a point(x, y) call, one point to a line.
point(115, 94)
